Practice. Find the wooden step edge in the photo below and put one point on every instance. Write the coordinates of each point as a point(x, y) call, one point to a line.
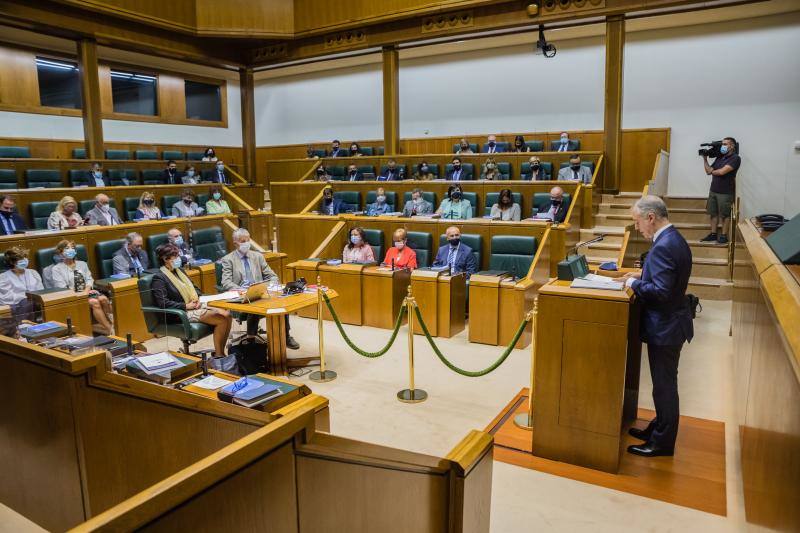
point(709, 282)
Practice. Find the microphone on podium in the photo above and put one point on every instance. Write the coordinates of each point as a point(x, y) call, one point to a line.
point(575, 264)
point(574, 249)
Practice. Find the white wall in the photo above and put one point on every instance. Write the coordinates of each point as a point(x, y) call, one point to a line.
point(345, 103)
point(740, 79)
point(504, 89)
point(40, 126)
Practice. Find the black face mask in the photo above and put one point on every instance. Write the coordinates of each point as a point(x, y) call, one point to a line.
point(575, 167)
point(456, 166)
point(506, 201)
point(555, 201)
point(491, 144)
point(464, 147)
point(149, 202)
point(171, 170)
point(535, 166)
point(456, 195)
point(353, 151)
point(188, 201)
point(327, 199)
point(455, 241)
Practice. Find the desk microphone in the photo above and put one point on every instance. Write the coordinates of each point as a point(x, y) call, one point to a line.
point(129, 338)
point(392, 264)
point(69, 327)
point(574, 250)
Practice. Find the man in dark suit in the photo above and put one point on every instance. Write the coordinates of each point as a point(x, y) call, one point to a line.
point(392, 172)
point(557, 210)
point(171, 176)
point(219, 175)
point(457, 173)
point(456, 254)
point(491, 146)
point(10, 221)
point(666, 321)
point(95, 177)
point(353, 174)
point(329, 204)
point(335, 151)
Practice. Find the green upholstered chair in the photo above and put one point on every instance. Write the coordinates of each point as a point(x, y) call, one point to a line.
point(428, 196)
point(366, 169)
point(374, 238)
point(403, 169)
point(319, 152)
point(40, 212)
point(525, 170)
point(391, 199)
point(48, 178)
point(209, 243)
point(202, 199)
point(473, 201)
point(367, 150)
point(206, 175)
point(379, 150)
point(472, 240)
point(130, 205)
point(118, 154)
point(84, 206)
point(195, 156)
point(153, 242)
point(79, 153)
point(513, 254)
point(422, 243)
point(589, 164)
point(105, 255)
point(433, 167)
point(118, 176)
point(167, 202)
point(505, 170)
point(535, 146)
point(541, 201)
point(175, 155)
point(491, 199)
point(169, 322)
point(77, 177)
point(572, 146)
point(472, 146)
point(15, 152)
point(153, 177)
point(146, 155)
point(500, 146)
point(44, 256)
point(351, 200)
point(468, 168)
point(8, 178)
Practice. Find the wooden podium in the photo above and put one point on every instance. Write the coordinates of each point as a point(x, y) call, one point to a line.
point(586, 382)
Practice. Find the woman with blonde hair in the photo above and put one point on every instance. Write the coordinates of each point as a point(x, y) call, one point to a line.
point(66, 215)
point(490, 170)
point(147, 209)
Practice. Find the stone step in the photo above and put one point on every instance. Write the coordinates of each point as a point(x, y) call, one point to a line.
point(675, 215)
point(710, 288)
point(690, 202)
point(708, 249)
point(613, 235)
point(706, 267)
point(603, 250)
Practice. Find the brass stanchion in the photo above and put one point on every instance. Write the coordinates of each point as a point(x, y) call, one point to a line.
point(322, 375)
point(411, 395)
point(525, 420)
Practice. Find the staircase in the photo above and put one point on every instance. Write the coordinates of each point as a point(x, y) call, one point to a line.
point(709, 261)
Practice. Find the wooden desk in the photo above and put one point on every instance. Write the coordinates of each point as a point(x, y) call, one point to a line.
point(441, 299)
point(58, 306)
point(345, 279)
point(275, 310)
point(586, 382)
point(383, 293)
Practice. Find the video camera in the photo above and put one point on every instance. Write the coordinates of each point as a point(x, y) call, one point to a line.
point(711, 149)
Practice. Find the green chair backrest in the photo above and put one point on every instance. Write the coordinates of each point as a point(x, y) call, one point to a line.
point(153, 177)
point(209, 243)
point(44, 256)
point(118, 154)
point(79, 153)
point(218, 276)
point(366, 150)
point(77, 176)
point(468, 168)
point(118, 175)
point(203, 198)
point(130, 205)
point(8, 178)
point(146, 154)
point(422, 243)
point(351, 199)
point(15, 152)
point(49, 178)
point(391, 198)
point(319, 152)
point(151, 319)
point(167, 202)
point(525, 170)
point(172, 154)
point(472, 240)
point(433, 167)
point(472, 146)
point(40, 212)
point(512, 253)
point(379, 150)
point(195, 156)
point(84, 206)
point(589, 164)
point(366, 169)
point(105, 255)
point(472, 197)
point(505, 170)
point(541, 200)
point(374, 238)
point(428, 196)
point(153, 242)
point(491, 199)
point(535, 146)
point(574, 145)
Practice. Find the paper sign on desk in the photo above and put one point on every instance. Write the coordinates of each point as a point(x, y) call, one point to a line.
point(211, 383)
point(229, 295)
point(157, 360)
point(276, 311)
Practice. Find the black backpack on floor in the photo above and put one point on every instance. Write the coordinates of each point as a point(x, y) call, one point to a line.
point(694, 304)
point(251, 356)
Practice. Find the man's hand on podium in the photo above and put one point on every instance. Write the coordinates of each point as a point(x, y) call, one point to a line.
point(628, 278)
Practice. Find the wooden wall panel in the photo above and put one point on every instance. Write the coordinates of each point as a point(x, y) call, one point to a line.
point(19, 86)
point(174, 14)
point(171, 97)
point(639, 150)
point(245, 17)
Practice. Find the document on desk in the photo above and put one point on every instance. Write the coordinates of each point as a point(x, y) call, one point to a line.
point(228, 295)
point(276, 311)
point(594, 281)
point(211, 383)
point(158, 361)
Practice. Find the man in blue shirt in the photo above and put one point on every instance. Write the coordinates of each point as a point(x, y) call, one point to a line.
point(380, 207)
point(95, 177)
point(455, 254)
point(9, 218)
point(131, 259)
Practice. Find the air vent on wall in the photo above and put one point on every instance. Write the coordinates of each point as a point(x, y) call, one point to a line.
point(554, 7)
point(345, 39)
point(447, 21)
point(275, 51)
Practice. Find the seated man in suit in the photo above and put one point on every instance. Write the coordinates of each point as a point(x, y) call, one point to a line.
point(666, 319)
point(457, 173)
point(102, 214)
point(391, 173)
point(219, 175)
point(557, 211)
point(336, 150)
point(131, 259)
point(575, 171)
point(244, 267)
point(380, 207)
point(417, 205)
point(329, 204)
point(565, 145)
point(353, 174)
point(95, 178)
point(175, 237)
point(455, 254)
point(537, 171)
point(491, 145)
point(171, 176)
point(9, 218)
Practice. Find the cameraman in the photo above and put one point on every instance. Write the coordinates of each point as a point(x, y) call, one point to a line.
point(723, 187)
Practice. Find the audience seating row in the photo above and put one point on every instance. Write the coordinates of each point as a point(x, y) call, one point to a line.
point(23, 152)
point(534, 146)
point(52, 178)
point(339, 173)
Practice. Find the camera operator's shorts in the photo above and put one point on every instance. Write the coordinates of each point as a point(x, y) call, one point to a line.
point(719, 205)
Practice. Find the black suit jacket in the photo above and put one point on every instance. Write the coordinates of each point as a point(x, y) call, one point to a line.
point(465, 175)
point(166, 295)
point(90, 182)
point(17, 221)
point(175, 180)
point(359, 177)
point(219, 177)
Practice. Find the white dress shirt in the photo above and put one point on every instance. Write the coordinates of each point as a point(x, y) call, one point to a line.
point(64, 276)
point(14, 286)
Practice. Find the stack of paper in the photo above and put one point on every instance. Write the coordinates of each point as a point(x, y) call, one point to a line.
point(594, 281)
point(229, 295)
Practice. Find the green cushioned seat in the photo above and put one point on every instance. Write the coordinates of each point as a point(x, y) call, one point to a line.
point(589, 164)
point(397, 168)
point(117, 176)
point(366, 169)
point(525, 170)
point(467, 168)
point(218, 276)
point(15, 152)
point(153, 242)
point(472, 197)
point(535, 146)
point(505, 170)
point(374, 238)
point(40, 212)
point(513, 254)
point(422, 243)
point(77, 177)
point(472, 240)
point(572, 146)
point(146, 155)
point(367, 150)
point(168, 201)
point(491, 199)
point(319, 152)
point(153, 177)
point(428, 196)
point(207, 175)
point(79, 153)
point(8, 178)
point(175, 155)
point(209, 243)
point(118, 154)
point(499, 146)
point(105, 255)
point(48, 178)
point(194, 156)
point(130, 205)
point(472, 146)
point(351, 199)
point(391, 198)
point(44, 256)
point(202, 199)
point(379, 150)
point(84, 206)
point(433, 167)
point(541, 200)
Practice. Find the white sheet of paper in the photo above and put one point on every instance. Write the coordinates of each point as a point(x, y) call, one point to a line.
point(211, 383)
point(276, 311)
point(156, 360)
point(229, 295)
point(583, 283)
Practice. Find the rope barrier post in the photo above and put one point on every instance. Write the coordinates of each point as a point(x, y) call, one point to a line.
point(411, 395)
point(322, 375)
point(525, 420)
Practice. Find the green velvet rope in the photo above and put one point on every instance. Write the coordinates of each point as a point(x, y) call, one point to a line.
point(468, 373)
point(352, 345)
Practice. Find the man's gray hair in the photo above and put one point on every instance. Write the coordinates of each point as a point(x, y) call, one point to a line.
point(240, 232)
point(651, 204)
point(131, 236)
point(417, 189)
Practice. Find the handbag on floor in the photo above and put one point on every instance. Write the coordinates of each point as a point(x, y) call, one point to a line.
point(251, 356)
point(227, 364)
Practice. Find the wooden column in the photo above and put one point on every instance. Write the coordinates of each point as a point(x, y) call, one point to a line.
point(90, 98)
point(615, 50)
point(391, 100)
point(247, 89)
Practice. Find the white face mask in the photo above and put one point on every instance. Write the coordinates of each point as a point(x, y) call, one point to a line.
point(244, 247)
point(417, 200)
point(190, 173)
point(399, 245)
point(104, 208)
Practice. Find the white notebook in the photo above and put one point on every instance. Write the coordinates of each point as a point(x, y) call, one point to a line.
point(594, 281)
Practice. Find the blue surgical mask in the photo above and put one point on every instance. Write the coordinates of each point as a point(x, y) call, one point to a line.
point(70, 253)
point(98, 174)
point(220, 167)
point(22, 264)
point(179, 240)
point(564, 140)
point(723, 149)
point(190, 173)
point(216, 196)
point(380, 198)
point(355, 239)
point(176, 263)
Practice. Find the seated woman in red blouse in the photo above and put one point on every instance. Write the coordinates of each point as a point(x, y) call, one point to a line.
point(403, 256)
